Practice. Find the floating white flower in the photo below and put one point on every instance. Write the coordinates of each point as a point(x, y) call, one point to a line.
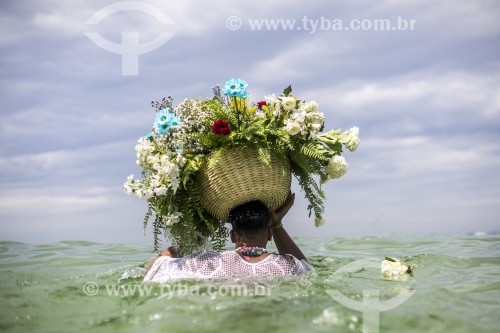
point(395, 269)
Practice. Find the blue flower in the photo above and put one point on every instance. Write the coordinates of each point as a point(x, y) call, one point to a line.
point(164, 121)
point(149, 136)
point(236, 88)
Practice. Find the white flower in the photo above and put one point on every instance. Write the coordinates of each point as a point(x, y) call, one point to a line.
point(314, 130)
point(315, 127)
point(259, 113)
point(395, 269)
point(299, 117)
point(144, 149)
point(136, 187)
point(173, 218)
point(311, 106)
point(351, 138)
point(160, 190)
point(174, 183)
point(277, 104)
point(288, 103)
point(270, 99)
point(192, 118)
point(180, 160)
point(337, 167)
point(129, 185)
point(293, 128)
point(319, 221)
point(316, 118)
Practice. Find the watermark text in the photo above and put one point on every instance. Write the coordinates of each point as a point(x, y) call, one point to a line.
point(175, 290)
point(313, 25)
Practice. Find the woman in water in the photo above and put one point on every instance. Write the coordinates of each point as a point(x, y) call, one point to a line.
point(253, 225)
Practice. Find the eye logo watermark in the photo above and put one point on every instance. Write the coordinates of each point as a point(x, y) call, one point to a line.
point(370, 306)
point(129, 49)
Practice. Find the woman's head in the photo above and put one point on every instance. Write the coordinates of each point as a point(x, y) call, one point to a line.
point(250, 222)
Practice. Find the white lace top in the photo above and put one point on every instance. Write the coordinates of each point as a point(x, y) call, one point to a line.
point(229, 264)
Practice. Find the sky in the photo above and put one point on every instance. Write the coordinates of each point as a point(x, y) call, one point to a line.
point(426, 100)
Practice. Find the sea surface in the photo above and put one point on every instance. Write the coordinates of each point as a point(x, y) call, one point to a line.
point(79, 286)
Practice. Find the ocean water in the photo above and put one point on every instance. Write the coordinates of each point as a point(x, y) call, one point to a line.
point(78, 286)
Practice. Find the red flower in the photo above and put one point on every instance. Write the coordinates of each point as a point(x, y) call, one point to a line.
point(221, 127)
point(260, 104)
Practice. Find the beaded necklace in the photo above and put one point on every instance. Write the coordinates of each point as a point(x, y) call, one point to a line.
point(251, 251)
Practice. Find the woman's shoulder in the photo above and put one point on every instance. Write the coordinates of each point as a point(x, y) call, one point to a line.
point(290, 260)
point(284, 257)
point(204, 254)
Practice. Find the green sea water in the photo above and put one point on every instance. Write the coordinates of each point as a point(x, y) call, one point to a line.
point(78, 286)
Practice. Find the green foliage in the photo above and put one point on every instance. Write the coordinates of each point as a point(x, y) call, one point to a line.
point(331, 140)
point(312, 191)
point(264, 155)
point(315, 151)
point(287, 91)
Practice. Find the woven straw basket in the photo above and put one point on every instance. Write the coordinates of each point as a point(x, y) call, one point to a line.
point(238, 176)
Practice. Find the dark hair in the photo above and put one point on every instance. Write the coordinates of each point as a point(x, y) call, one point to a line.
point(250, 217)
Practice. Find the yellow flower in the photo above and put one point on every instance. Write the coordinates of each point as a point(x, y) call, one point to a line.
point(238, 104)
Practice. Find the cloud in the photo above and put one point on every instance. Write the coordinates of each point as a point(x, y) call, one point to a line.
point(426, 102)
point(450, 91)
point(74, 168)
point(420, 158)
point(451, 19)
point(55, 202)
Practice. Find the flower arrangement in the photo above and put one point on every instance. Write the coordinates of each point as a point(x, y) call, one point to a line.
point(185, 137)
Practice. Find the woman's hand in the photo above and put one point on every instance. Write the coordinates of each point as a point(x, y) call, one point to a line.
point(168, 252)
point(284, 243)
point(278, 214)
